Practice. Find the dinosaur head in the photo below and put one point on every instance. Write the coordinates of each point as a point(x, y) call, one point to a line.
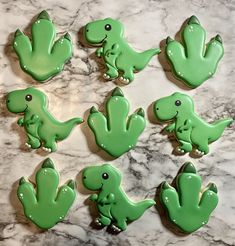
point(172, 106)
point(99, 31)
point(101, 177)
point(21, 101)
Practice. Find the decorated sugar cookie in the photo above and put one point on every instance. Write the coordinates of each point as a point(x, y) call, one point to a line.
point(116, 133)
point(47, 205)
point(120, 59)
point(114, 207)
point(188, 206)
point(41, 127)
point(193, 61)
point(44, 57)
point(189, 129)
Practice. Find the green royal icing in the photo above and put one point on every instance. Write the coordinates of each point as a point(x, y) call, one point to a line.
point(116, 133)
point(189, 129)
point(118, 56)
point(43, 58)
point(187, 206)
point(47, 205)
point(113, 205)
point(40, 126)
point(193, 61)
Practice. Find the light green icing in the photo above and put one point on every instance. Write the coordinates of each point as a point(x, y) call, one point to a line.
point(116, 133)
point(40, 126)
point(189, 207)
point(189, 129)
point(43, 58)
point(47, 205)
point(113, 205)
point(193, 61)
point(118, 56)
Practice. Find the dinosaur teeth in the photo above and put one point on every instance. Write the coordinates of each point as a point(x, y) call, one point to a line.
point(71, 184)
point(193, 20)
point(117, 92)
point(22, 181)
point(67, 36)
point(168, 40)
point(44, 15)
point(18, 32)
point(48, 163)
point(93, 110)
point(213, 187)
point(188, 167)
point(141, 112)
point(218, 38)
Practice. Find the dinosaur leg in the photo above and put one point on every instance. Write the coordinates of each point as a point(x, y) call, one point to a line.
point(202, 148)
point(121, 224)
point(184, 147)
point(111, 72)
point(49, 144)
point(128, 75)
point(103, 220)
point(33, 142)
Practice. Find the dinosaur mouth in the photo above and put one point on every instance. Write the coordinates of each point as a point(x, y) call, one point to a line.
point(104, 38)
point(25, 108)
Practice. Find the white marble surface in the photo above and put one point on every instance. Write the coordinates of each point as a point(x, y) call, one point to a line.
point(79, 87)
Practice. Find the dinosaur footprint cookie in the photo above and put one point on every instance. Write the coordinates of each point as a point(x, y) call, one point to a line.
point(114, 207)
point(120, 59)
point(189, 129)
point(188, 206)
point(41, 127)
point(47, 205)
point(42, 58)
point(193, 61)
point(116, 133)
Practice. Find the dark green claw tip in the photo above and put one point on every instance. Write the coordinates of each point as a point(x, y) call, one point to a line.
point(22, 181)
point(44, 15)
point(71, 184)
point(213, 187)
point(67, 36)
point(189, 168)
point(18, 32)
point(165, 185)
point(218, 38)
point(193, 20)
point(93, 110)
point(168, 40)
point(141, 112)
point(117, 92)
point(48, 163)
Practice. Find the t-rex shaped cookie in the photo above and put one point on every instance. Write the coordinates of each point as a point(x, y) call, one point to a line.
point(116, 133)
point(189, 129)
point(193, 61)
point(43, 58)
point(118, 56)
point(188, 206)
point(40, 126)
point(47, 205)
point(113, 205)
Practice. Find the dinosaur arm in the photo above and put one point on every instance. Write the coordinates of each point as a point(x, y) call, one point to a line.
point(99, 52)
point(186, 126)
point(170, 127)
point(93, 197)
point(33, 120)
point(20, 121)
point(114, 51)
point(106, 198)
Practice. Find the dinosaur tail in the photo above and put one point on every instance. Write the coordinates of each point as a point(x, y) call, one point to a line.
point(139, 209)
point(218, 128)
point(66, 127)
point(144, 58)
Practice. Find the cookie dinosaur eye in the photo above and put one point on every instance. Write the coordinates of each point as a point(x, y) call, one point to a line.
point(28, 97)
point(107, 27)
point(105, 176)
point(177, 102)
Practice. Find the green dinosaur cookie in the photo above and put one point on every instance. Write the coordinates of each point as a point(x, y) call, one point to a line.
point(189, 129)
point(116, 133)
point(40, 126)
point(47, 205)
point(188, 206)
point(118, 56)
point(113, 205)
point(193, 61)
point(43, 58)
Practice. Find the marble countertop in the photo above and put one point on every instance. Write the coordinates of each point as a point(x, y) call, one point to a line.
point(80, 86)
